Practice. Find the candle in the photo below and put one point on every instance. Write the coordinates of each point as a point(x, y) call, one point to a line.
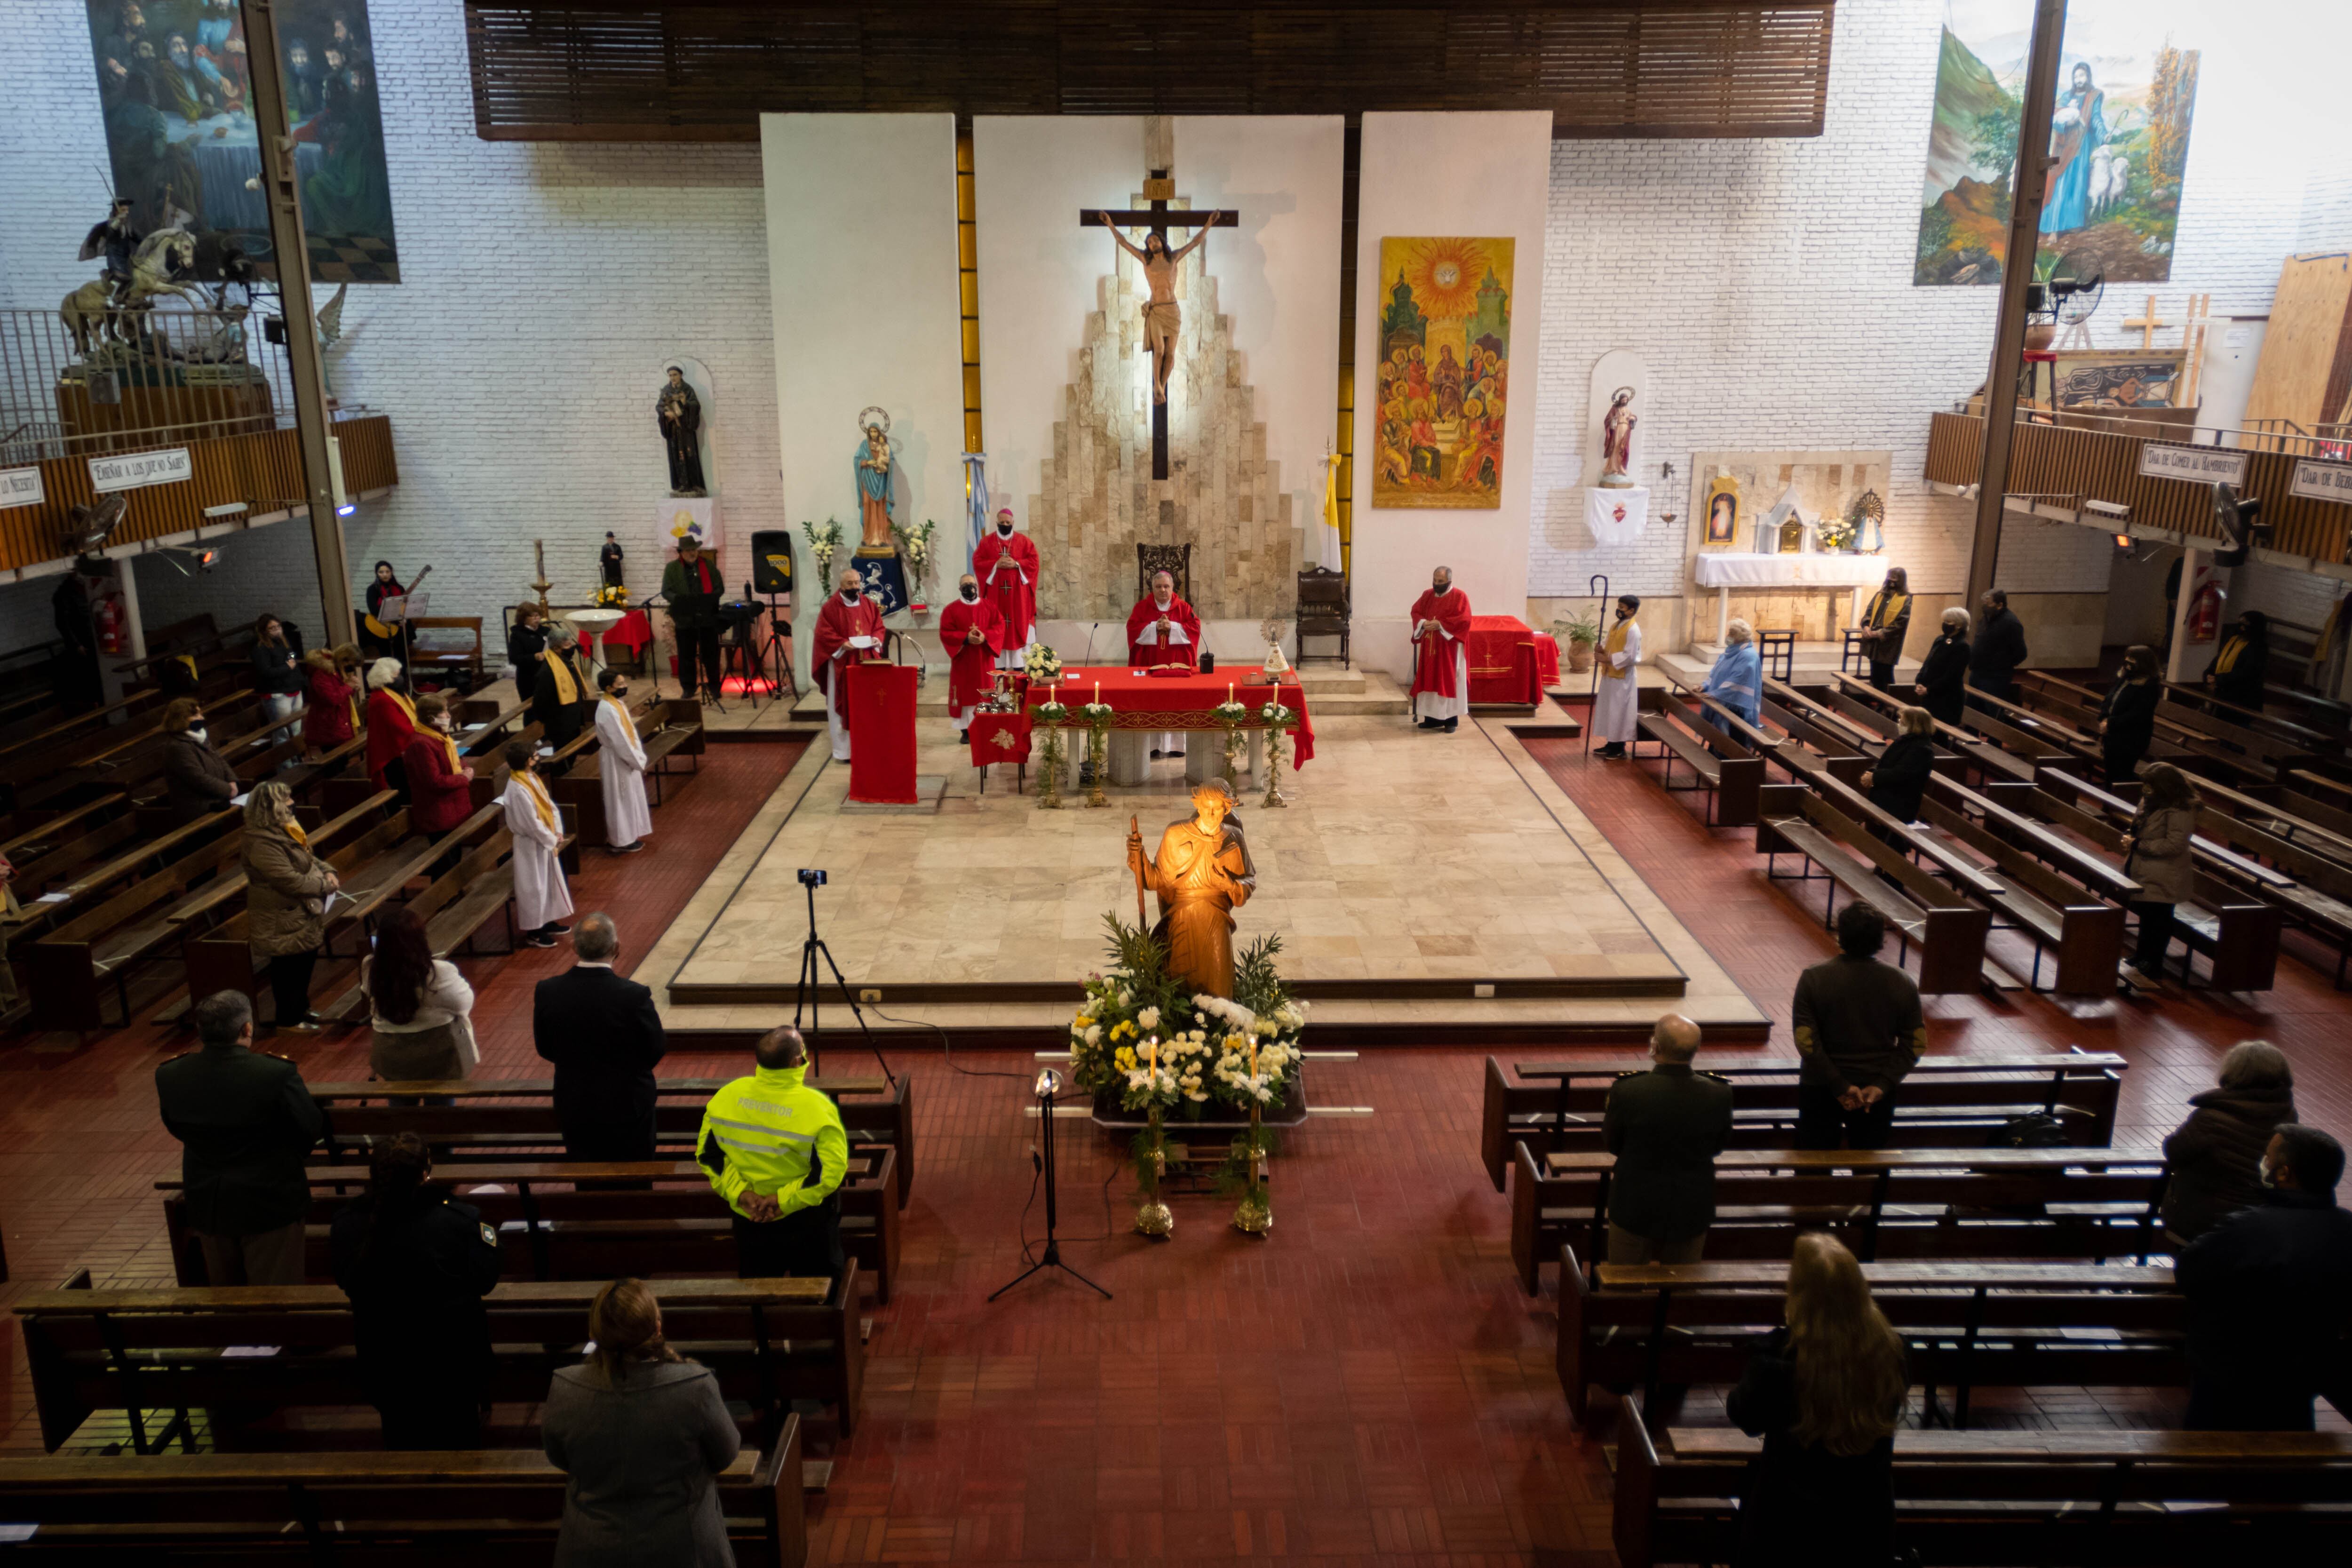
point(1098, 691)
point(1152, 1047)
point(1253, 1058)
point(1228, 691)
point(1053, 693)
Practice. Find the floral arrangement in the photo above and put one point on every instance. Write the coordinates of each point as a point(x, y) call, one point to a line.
point(1047, 716)
point(915, 544)
point(1836, 535)
point(1042, 664)
point(825, 544)
point(611, 595)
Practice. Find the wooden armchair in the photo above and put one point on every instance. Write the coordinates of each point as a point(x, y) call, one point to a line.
point(1176, 560)
point(1323, 610)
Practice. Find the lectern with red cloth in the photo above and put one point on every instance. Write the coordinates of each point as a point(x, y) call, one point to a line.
point(881, 733)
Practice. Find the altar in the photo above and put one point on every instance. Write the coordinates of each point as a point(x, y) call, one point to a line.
point(1143, 704)
point(1724, 570)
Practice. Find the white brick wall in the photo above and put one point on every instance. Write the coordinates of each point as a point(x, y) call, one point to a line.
point(1768, 286)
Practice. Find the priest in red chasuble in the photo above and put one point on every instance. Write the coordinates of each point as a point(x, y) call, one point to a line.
point(1163, 629)
point(848, 631)
point(1006, 564)
point(971, 631)
point(1441, 664)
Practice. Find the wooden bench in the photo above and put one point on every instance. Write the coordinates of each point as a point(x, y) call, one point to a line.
point(1724, 768)
point(1947, 1102)
point(139, 1351)
point(1967, 1325)
point(661, 735)
point(1948, 930)
point(467, 1508)
point(455, 905)
point(474, 1120)
point(561, 1222)
point(2121, 1499)
point(1882, 1203)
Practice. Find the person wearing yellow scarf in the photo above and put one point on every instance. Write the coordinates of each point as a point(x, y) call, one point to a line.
point(2241, 668)
point(1886, 623)
point(621, 768)
point(1613, 706)
point(560, 696)
point(541, 898)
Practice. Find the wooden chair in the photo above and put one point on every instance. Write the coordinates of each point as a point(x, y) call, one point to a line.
point(1176, 560)
point(1322, 610)
point(1778, 650)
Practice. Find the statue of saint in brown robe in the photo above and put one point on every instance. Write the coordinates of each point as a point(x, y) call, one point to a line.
point(1202, 873)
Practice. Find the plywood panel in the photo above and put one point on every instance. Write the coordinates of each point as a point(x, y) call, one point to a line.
point(2307, 345)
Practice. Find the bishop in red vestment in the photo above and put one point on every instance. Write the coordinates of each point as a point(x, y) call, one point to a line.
point(1163, 629)
point(972, 630)
point(848, 631)
point(1440, 664)
point(1006, 564)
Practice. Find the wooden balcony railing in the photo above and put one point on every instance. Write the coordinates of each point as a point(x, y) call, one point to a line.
point(2076, 466)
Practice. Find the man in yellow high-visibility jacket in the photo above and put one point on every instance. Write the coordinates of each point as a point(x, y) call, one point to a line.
point(776, 1152)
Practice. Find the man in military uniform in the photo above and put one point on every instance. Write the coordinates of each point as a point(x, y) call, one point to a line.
point(776, 1152)
point(1665, 1126)
point(246, 1123)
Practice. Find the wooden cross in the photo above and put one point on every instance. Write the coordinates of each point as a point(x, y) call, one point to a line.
point(2147, 325)
point(1159, 189)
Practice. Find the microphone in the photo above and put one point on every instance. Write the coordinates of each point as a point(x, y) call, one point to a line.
point(1049, 1083)
point(1089, 657)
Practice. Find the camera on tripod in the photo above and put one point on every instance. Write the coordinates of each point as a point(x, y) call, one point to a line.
point(811, 879)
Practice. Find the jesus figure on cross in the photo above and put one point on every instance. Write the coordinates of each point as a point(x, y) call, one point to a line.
point(1162, 315)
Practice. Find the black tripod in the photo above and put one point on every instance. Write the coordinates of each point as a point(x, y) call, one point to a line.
point(776, 646)
point(1048, 1083)
point(806, 987)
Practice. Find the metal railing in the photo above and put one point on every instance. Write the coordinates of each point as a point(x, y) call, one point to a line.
point(2330, 442)
point(121, 380)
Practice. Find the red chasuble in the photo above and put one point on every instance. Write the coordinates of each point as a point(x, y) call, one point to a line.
point(1143, 638)
point(1012, 590)
point(835, 624)
point(1432, 660)
point(971, 667)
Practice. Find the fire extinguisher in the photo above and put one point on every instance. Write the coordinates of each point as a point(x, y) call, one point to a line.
point(2205, 615)
point(108, 615)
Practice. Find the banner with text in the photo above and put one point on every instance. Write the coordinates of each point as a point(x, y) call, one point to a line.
point(2200, 465)
point(130, 470)
point(2313, 481)
point(20, 487)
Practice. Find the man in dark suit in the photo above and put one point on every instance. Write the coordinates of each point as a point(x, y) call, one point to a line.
point(246, 1123)
point(1665, 1126)
point(1999, 650)
point(604, 1036)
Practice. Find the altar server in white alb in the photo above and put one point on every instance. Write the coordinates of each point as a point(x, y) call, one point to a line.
point(621, 767)
point(541, 898)
point(1614, 716)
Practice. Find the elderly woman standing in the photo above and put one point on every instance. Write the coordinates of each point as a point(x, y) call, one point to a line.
point(1942, 687)
point(329, 716)
point(285, 902)
point(391, 722)
point(1738, 679)
point(2157, 855)
point(2217, 1154)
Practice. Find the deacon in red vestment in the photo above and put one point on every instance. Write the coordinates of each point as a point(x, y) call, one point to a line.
point(391, 722)
point(1006, 564)
point(1162, 629)
point(973, 632)
point(848, 631)
point(1441, 665)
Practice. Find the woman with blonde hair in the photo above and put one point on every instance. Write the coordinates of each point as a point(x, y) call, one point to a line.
point(1898, 779)
point(641, 1433)
point(1825, 1392)
point(286, 889)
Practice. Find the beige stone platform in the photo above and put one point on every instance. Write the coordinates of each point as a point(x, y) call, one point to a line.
point(1410, 870)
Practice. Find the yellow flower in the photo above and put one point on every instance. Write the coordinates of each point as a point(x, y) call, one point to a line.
point(1082, 1020)
point(1125, 1057)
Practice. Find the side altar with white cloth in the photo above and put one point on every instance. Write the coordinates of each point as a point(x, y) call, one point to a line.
point(1725, 570)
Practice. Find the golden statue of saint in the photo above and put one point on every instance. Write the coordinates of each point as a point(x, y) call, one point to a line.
point(1202, 873)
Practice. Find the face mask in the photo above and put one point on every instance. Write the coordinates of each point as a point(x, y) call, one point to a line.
point(441, 723)
point(620, 691)
point(971, 594)
point(197, 734)
point(850, 594)
point(1004, 528)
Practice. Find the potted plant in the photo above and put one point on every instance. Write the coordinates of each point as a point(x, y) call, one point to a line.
point(1577, 635)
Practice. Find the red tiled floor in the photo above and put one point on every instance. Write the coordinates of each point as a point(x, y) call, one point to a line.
point(1365, 1387)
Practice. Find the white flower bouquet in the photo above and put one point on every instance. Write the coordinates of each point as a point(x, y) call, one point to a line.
point(1042, 664)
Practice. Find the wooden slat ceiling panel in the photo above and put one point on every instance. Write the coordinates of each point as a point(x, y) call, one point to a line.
point(703, 70)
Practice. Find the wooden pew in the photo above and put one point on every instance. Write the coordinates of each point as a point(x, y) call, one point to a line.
point(582, 788)
point(2121, 1499)
point(1953, 1101)
point(469, 1509)
point(559, 1224)
point(1948, 930)
point(474, 1120)
point(1882, 1203)
point(1724, 768)
point(456, 904)
point(1967, 1325)
point(150, 1351)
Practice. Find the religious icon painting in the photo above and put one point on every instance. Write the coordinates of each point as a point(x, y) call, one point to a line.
point(1443, 383)
point(1719, 518)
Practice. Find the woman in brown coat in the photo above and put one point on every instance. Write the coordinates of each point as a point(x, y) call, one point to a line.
point(285, 898)
point(2216, 1156)
point(2157, 855)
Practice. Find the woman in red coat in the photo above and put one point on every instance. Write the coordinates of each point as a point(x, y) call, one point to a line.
point(440, 784)
point(390, 723)
point(327, 719)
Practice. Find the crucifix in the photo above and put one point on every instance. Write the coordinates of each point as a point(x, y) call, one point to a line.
point(2147, 325)
point(539, 557)
point(1160, 315)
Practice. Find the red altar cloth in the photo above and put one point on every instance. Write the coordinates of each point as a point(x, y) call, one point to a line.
point(881, 732)
point(1142, 700)
point(631, 631)
point(986, 746)
point(1509, 662)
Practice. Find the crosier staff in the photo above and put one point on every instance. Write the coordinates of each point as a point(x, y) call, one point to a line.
point(1135, 843)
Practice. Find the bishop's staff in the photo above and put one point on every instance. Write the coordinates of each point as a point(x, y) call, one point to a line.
point(1135, 837)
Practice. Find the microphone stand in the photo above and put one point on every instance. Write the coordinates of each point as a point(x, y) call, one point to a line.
point(1049, 1083)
